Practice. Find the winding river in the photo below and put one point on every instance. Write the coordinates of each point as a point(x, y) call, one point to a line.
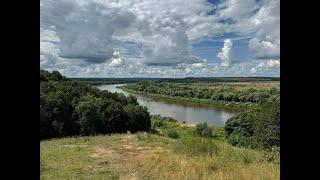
point(189, 113)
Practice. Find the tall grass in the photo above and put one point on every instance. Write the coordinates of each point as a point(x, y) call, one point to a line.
point(201, 158)
point(154, 157)
point(195, 146)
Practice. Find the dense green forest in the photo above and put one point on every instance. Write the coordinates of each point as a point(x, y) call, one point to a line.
point(69, 107)
point(215, 93)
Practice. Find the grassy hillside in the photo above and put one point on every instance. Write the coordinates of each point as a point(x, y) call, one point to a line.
point(151, 156)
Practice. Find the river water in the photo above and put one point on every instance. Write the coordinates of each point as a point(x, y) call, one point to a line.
point(193, 114)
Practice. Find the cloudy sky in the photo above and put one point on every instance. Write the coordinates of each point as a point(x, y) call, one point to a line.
point(167, 38)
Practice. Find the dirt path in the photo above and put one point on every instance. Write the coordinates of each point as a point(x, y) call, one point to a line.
point(125, 157)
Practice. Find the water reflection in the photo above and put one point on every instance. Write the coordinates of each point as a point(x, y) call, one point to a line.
point(189, 113)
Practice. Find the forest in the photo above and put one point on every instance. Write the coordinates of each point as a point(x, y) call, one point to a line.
point(241, 95)
point(70, 107)
point(97, 81)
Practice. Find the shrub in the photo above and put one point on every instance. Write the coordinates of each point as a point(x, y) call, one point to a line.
point(170, 119)
point(242, 141)
point(200, 127)
point(203, 130)
point(158, 124)
point(207, 132)
point(219, 133)
point(257, 127)
point(172, 134)
point(242, 124)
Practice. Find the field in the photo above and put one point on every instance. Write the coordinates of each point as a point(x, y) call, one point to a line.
point(260, 85)
point(147, 156)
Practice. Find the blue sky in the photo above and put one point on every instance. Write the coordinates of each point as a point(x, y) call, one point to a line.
point(160, 38)
point(210, 48)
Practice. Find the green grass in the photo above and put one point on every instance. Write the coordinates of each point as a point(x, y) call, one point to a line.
point(155, 156)
point(184, 130)
point(148, 156)
point(70, 158)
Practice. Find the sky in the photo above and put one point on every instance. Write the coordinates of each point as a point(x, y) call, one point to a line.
point(167, 38)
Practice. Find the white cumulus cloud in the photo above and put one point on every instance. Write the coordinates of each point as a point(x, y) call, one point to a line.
point(226, 53)
point(79, 36)
point(116, 60)
point(272, 63)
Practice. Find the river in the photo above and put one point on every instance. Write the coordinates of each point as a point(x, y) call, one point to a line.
point(192, 114)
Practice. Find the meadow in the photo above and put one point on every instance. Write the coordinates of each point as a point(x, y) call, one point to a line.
point(154, 156)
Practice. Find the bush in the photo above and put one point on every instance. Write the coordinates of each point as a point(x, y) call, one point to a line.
point(258, 127)
point(219, 133)
point(242, 141)
point(207, 132)
point(242, 124)
point(203, 130)
point(172, 134)
point(200, 127)
point(158, 124)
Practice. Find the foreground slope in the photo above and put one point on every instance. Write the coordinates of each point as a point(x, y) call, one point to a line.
point(147, 156)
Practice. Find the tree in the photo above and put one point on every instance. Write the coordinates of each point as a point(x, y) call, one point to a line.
point(267, 129)
point(91, 118)
point(55, 110)
point(138, 118)
point(132, 100)
point(70, 107)
point(241, 124)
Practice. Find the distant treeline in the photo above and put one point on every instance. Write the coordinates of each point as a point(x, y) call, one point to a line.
point(97, 81)
point(214, 94)
point(69, 107)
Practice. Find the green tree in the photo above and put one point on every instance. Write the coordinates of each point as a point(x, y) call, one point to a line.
point(138, 118)
point(91, 118)
point(267, 128)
